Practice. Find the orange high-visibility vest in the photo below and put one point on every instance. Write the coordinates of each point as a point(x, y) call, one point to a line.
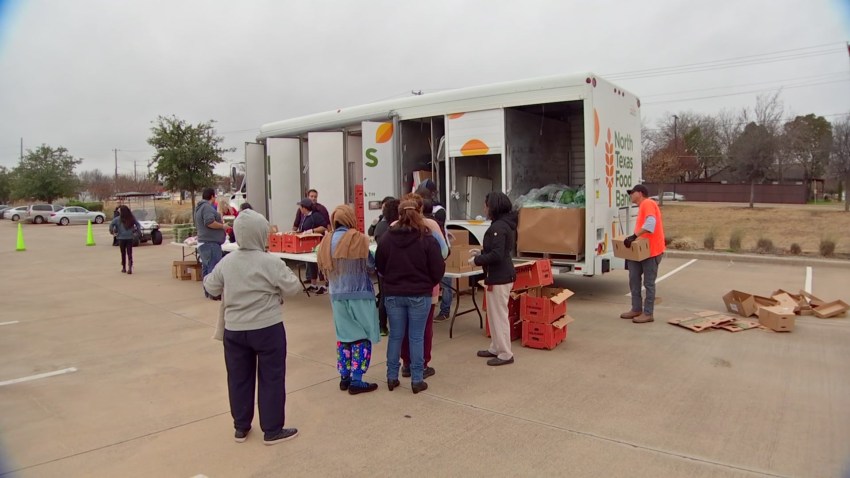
point(647, 208)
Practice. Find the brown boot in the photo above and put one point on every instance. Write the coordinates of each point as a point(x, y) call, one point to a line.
point(642, 319)
point(629, 315)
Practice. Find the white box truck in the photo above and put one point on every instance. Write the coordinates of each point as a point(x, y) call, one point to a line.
point(578, 130)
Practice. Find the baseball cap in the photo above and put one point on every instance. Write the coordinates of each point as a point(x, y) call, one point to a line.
point(639, 188)
point(305, 203)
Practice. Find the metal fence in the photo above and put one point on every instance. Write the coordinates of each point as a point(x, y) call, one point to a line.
point(717, 192)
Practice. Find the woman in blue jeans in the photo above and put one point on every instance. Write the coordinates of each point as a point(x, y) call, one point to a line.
point(410, 264)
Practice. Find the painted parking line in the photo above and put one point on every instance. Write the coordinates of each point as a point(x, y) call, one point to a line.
point(669, 273)
point(39, 376)
point(10, 323)
point(808, 284)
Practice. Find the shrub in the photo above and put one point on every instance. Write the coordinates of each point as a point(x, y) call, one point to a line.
point(91, 206)
point(796, 249)
point(669, 240)
point(164, 215)
point(708, 240)
point(684, 244)
point(735, 240)
point(764, 246)
point(183, 218)
point(827, 247)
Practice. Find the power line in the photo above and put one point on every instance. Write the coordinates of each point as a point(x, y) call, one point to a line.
point(813, 77)
point(745, 92)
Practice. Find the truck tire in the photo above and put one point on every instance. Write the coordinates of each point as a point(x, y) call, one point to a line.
point(156, 237)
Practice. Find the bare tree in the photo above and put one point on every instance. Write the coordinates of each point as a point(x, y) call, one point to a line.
point(839, 163)
point(99, 185)
point(769, 111)
point(752, 155)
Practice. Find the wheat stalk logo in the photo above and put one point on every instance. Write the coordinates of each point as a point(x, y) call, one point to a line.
point(609, 166)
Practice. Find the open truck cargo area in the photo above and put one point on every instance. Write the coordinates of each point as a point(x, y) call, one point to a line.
point(578, 131)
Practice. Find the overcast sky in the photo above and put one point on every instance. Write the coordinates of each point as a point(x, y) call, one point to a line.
point(91, 75)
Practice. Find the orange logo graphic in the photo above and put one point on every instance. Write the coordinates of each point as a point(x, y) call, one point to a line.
point(455, 116)
point(474, 147)
point(609, 165)
point(595, 128)
point(384, 133)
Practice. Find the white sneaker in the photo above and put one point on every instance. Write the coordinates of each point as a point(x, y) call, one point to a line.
point(321, 290)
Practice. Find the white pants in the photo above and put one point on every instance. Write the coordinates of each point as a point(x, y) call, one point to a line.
point(497, 316)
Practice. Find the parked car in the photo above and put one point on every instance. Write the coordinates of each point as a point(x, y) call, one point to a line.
point(670, 196)
point(14, 213)
point(3, 207)
point(76, 215)
point(40, 213)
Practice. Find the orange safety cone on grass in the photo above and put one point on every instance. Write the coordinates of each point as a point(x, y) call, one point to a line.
point(90, 236)
point(21, 246)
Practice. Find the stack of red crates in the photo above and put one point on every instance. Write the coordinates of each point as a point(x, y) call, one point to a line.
point(276, 242)
point(300, 243)
point(543, 311)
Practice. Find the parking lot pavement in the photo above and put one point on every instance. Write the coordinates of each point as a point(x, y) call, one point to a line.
point(148, 394)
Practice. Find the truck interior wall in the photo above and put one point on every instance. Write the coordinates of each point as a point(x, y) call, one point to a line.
point(486, 166)
point(415, 150)
point(543, 150)
point(305, 173)
point(438, 131)
point(354, 164)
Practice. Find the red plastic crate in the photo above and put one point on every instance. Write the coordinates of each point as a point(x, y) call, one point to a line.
point(544, 305)
point(276, 242)
point(514, 307)
point(300, 243)
point(544, 336)
point(538, 273)
point(516, 328)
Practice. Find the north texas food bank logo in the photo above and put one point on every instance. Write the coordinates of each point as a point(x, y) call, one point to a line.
point(609, 156)
point(619, 162)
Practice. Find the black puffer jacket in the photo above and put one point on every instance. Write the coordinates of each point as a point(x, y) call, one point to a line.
point(495, 257)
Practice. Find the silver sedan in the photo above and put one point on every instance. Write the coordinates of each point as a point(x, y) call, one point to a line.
point(76, 215)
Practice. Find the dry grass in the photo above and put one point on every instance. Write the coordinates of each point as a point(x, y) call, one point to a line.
point(783, 225)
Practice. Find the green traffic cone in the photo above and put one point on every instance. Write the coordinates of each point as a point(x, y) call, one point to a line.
point(21, 246)
point(90, 236)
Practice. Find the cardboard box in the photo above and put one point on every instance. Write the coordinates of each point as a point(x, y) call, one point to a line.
point(533, 274)
point(813, 301)
point(778, 318)
point(831, 309)
point(705, 320)
point(745, 304)
point(557, 231)
point(458, 237)
point(300, 243)
point(458, 260)
point(545, 336)
point(544, 305)
point(638, 251)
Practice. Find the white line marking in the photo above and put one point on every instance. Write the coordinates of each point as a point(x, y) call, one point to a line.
point(669, 274)
point(39, 376)
point(808, 286)
point(9, 323)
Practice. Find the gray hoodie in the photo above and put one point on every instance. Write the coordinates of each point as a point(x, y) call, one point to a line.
point(253, 282)
point(205, 214)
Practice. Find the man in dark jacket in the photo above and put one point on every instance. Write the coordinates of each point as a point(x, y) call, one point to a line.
point(313, 196)
point(312, 221)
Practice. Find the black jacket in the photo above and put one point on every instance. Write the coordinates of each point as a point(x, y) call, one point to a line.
point(409, 262)
point(495, 257)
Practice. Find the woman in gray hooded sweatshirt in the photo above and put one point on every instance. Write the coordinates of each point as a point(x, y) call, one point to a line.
point(252, 284)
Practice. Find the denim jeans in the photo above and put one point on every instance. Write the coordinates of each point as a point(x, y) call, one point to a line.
point(407, 314)
point(648, 268)
point(210, 253)
point(446, 298)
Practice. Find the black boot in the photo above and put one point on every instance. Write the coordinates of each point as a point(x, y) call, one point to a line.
point(130, 270)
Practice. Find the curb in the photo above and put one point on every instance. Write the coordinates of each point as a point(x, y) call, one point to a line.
point(758, 259)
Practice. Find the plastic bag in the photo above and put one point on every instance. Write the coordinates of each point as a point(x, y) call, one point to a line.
point(552, 196)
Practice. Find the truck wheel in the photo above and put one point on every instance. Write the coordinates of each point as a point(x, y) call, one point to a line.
point(156, 237)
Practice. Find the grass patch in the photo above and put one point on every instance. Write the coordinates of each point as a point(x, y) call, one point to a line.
point(765, 246)
point(708, 241)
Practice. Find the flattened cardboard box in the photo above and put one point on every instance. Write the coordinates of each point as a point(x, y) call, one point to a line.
point(555, 230)
point(702, 321)
point(638, 251)
point(780, 319)
point(832, 309)
point(745, 304)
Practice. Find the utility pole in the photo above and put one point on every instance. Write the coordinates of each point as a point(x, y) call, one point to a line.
point(676, 134)
point(135, 175)
point(22, 148)
point(116, 163)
